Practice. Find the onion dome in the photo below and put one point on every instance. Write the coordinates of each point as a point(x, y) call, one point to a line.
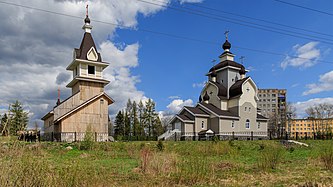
point(242, 71)
point(87, 20)
point(206, 97)
point(226, 45)
point(200, 98)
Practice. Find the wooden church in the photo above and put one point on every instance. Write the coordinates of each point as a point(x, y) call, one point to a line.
point(87, 108)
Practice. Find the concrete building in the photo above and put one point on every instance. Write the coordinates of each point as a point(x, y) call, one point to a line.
point(272, 104)
point(87, 107)
point(309, 127)
point(227, 106)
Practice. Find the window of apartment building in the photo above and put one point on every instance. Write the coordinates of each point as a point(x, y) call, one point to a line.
point(247, 124)
point(268, 100)
point(274, 100)
point(264, 100)
point(309, 125)
point(202, 124)
point(264, 105)
point(260, 105)
point(297, 129)
point(268, 105)
point(264, 95)
point(268, 110)
point(301, 129)
point(274, 95)
point(293, 129)
point(273, 105)
point(232, 124)
point(259, 95)
point(267, 95)
point(273, 110)
point(297, 125)
point(309, 129)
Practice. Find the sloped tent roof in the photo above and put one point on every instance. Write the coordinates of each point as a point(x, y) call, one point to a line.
point(217, 111)
point(196, 110)
point(86, 44)
point(222, 91)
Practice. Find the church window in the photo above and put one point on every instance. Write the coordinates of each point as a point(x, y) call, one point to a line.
point(249, 109)
point(232, 124)
point(232, 80)
point(102, 101)
point(258, 125)
point(202, 124)
point(247, 124)
point(91, 69)
point(245, 108)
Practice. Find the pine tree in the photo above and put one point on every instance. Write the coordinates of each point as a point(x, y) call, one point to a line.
point(127, 123)
point(134, 116)
point(119, 125)
point(19, 121)
point(141, 109)
point(157, 127)
point(4, 125)
point(150, 115)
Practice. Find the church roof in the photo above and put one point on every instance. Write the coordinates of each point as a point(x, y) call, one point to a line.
point(217, 111)
point(86, 44)
point(222, 91)
point(225, 64)
point(236, 88)
point(196, 110)
point(261, 117)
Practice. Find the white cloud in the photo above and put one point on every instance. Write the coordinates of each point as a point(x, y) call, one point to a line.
point(302, 106)
point(174, 97)
point(325, 84)
point(190, 1)
point(176, 105)
point(36, 47)
point(199, 85)
point(304, 56)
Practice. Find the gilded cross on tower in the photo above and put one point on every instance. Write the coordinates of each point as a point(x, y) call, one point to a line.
point(226, 34)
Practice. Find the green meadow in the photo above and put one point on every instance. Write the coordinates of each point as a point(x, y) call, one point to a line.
point(199, 163)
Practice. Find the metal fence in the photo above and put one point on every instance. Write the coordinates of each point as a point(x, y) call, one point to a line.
point(73, 136)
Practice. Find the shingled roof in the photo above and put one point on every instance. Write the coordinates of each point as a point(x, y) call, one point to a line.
point(222, 91)
point(86, 44)
point(261, 117)
point(225, 64)
point(196, 110)
point(236, 88)
point(217, 111)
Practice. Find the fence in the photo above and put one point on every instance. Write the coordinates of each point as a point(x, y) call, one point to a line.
point(73, 136)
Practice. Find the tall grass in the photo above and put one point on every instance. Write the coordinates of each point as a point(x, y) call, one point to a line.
point(326, 156)
point(270, 156)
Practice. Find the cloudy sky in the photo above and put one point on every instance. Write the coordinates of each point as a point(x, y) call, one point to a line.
point(161, 49)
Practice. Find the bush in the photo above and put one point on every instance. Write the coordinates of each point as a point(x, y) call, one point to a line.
point(88, 141)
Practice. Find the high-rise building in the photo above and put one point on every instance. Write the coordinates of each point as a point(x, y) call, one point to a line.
point(272, 103)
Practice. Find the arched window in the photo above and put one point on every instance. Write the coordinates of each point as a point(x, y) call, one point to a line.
point(247, 124)
point(258, 125)
point(202, 124)
point(232, 124)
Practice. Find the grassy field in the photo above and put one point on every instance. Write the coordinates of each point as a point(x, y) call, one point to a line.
point(222, 163)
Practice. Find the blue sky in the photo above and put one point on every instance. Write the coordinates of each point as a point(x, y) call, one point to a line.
point(170, 66)
point(36, 46)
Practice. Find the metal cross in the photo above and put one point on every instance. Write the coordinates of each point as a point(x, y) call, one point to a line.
point(242, 59)
point(226, 34)
point(87, 10)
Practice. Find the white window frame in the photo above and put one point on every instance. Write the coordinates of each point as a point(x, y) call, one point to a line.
point(247, 124)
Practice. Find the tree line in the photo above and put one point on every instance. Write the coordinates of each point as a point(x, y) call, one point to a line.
point(14, 120)
point(138, 120)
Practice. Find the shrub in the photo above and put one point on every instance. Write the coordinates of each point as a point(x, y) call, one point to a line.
point(88, 141)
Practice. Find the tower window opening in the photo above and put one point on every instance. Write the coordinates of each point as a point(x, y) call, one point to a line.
point(91, 69)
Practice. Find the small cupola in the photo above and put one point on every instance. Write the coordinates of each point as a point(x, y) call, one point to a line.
point(206, 98)
point(242, 72)
point(213, 75)
point(227, 45)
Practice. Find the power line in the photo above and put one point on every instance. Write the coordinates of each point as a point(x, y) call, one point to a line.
point(244, 23)
point(163, 33)
point(262, 20)
point(307, 8)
